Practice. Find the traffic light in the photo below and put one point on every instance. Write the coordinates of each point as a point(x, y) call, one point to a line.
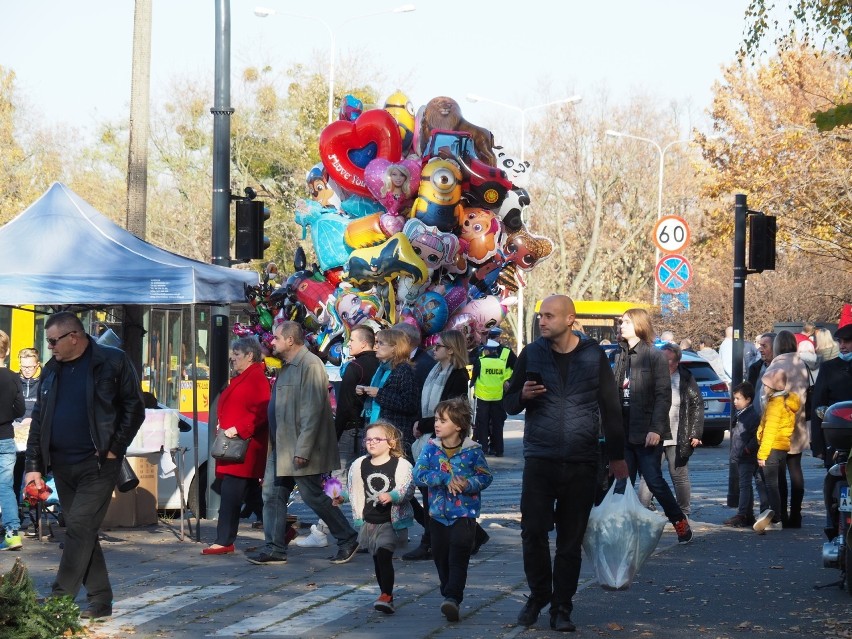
point(761, 242)
point(250, 242)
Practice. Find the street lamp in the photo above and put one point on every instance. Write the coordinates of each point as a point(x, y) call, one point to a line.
point(264, 12)
point(472, 97)
point(662, 151)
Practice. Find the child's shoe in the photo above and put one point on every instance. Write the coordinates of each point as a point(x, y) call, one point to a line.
point(385, 604)
point(11, 541)
point(763, 520)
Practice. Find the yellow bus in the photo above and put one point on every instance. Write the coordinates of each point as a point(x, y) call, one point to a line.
point(598, 319)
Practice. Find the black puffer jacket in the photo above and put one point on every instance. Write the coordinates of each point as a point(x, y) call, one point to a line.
point(650, 391)
point(564, 424)
point(690, 423)
point(113, 398)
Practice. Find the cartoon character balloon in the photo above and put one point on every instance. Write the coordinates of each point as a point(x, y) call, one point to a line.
point(390, 260)
point(354, 306)
point(350, 108)
point(430, 311)
point(482, 234)
point(438, 199)
point(401, 110)
point(393, 184)
point(319, 188)
point(436, 248)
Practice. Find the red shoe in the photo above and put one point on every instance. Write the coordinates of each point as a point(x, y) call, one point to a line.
point(221, 550)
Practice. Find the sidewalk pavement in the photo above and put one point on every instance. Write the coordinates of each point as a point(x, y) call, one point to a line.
point(727, 583)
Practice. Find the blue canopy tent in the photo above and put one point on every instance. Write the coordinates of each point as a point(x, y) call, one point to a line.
point(61, 251)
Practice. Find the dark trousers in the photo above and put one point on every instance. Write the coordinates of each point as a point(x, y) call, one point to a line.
point(451, 548)
point(233, 493)
point(749, 471)
point(426, 539)
point(84, 491)
point(310, 488)
point(797, 486)
point(488, 429)
point(773, 471)
point(561, 495)
point(647, 460)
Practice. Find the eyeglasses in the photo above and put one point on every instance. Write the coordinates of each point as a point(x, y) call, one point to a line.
point(29, 368)
point(53, 341)
point(380, 342)
point(375, 440)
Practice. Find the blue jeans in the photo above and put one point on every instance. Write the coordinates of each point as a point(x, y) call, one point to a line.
point(749, 471)
point(276, 494)
point(648, 461)
point(8, 500)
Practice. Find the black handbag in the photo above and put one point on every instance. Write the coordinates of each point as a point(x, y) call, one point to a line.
point(127, 479)
point(232, 449)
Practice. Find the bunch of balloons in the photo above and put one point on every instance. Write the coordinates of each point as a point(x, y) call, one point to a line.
point(413, 219)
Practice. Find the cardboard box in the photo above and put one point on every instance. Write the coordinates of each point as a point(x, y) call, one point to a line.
point(137, 507)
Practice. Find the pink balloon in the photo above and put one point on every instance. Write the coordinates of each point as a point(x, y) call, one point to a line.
point(379, 176)
point(465, 323)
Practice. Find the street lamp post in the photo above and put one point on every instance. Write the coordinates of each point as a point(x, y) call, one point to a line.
point(472, 97)
point(662, 151)
point(263, 12)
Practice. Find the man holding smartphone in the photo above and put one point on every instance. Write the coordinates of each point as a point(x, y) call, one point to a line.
point(564, 382)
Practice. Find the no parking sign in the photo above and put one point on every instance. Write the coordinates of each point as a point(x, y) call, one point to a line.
point(674, 273)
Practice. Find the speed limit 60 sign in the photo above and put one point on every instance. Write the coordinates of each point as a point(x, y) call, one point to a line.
point(671, 234)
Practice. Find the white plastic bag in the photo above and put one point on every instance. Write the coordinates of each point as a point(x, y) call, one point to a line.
point(620, 536)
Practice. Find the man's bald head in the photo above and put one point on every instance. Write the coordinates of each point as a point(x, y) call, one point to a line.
point(562, 304)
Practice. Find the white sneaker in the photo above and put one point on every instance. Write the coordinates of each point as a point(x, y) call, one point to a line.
point(316, 539)
point(763, 521)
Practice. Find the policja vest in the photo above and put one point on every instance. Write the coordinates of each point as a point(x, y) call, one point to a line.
point(493, 372)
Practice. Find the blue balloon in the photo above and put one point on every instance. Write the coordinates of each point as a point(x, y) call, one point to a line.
point(430, 311)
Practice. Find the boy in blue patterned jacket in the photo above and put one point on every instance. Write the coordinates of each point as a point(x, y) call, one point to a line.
point(453, 466)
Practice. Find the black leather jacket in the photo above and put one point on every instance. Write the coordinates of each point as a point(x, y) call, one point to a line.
point(650, 391)
point(690, 416)
point(113, 398)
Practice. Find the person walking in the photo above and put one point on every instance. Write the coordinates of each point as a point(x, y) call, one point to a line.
point(564, 382)
point(89, 409)
point(642, 374)
point(357, 371)
point(242, 412)
point(491, 373)
point(302, 446)
point(686, 420)
point(11, 407)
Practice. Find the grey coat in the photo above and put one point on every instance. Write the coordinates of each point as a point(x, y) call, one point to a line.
point(304, 424)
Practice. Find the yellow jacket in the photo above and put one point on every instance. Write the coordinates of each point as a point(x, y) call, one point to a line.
point(777, 424)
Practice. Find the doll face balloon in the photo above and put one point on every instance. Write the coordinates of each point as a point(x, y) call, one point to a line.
point(436, 248)
point(482, 233)
point(525, 250)
point(393, 184)
point(354, 307)
point(487, 313)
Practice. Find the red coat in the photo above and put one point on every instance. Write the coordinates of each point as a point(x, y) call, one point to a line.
point(244, 404)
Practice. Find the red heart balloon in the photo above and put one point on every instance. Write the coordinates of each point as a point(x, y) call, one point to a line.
point(344, 147)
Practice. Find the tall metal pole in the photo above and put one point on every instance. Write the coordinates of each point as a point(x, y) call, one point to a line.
point(219, 315)
point(738, 323)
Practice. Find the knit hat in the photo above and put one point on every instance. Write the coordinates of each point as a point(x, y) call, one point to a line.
point(776, 379)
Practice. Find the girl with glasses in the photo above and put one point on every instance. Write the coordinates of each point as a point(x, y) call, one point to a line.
point(380, 487)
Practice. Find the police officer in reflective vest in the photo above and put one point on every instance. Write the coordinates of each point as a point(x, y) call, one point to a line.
point(491, 373)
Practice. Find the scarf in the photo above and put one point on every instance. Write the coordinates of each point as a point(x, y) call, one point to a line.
point(433, 388)
point(372, 410)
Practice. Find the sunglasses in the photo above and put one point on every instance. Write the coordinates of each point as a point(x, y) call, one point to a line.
point(53, 341)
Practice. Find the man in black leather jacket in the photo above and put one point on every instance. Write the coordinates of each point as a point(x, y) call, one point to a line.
point(88, 412)
point(564, 382)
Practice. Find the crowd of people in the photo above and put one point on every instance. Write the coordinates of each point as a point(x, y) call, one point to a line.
point(405, 444)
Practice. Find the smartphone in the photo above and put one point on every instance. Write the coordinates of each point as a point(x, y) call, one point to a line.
point(535, 376)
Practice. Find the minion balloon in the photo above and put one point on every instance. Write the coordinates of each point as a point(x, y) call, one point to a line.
point(401, 110)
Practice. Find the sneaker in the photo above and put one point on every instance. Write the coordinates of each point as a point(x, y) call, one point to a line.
point(763, 520)
point(12, 541)
point(420, 553)
point(264, 559)
point(316, 539)
point(560, 620)
point(345, 554)
point(384, 604)
point(737, 521)
point(684, 532)
point(530, 612)
point(450, 609)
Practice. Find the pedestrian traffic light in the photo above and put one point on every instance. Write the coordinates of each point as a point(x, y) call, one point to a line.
point(761, 242)
point(250, 241)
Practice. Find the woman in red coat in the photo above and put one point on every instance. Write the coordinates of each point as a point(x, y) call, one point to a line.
point(242, 411)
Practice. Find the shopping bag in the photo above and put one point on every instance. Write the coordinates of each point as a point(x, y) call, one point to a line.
point(620, 536)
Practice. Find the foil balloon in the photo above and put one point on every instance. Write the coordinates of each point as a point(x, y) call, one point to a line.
point(368, 231)
point(525, 250)
point(517, 170)
point(354, 306)
point(347, 147)
point(380, 264)
point(319, 188)
point(327, 230)
point(487, 312)
point(393, 184)
point(357, 206)
point(439, 196)
point(437, 249)
point(465, 323)
point(350, 108)
point(401, 110)
point(481, 233)
point(430, 311)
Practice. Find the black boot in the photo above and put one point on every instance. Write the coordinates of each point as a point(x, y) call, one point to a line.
point(420, 553)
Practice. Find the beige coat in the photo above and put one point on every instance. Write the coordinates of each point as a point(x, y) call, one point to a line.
point(797, 382)
point(304, 424)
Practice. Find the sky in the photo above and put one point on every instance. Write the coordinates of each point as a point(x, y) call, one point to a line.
point(73, 59)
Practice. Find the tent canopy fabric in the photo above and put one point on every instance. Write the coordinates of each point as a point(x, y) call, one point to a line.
point(61, 250)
